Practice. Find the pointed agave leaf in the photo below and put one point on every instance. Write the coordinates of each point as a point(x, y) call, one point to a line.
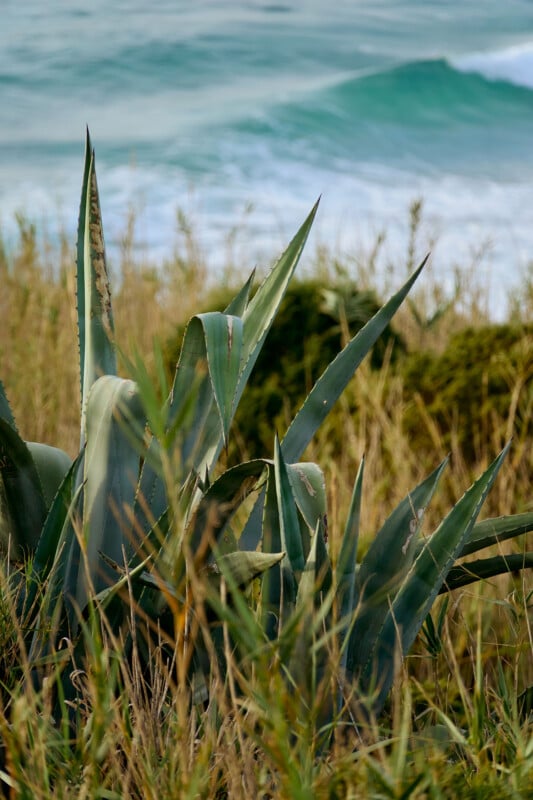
point(262, 309)
point(278, 587)
point(484, 568)
point(22, 491)
point(336, 376)
point(221, 500)
point(497, 529)
point(5, 408)
point(347, 561)
point(239, 304)
point(388, 560)
point(422, 584)
point(291, 539)
point(326, 392)
point(316, 578)
point(95, 319)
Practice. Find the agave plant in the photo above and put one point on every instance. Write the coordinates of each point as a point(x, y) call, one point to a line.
point(145, 507)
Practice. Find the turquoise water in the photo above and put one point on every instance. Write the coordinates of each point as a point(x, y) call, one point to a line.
point(216, 107)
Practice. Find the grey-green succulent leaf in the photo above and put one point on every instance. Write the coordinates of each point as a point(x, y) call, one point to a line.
point(387, 562)
point(240, 302)
point(336, 376)
point(291, 539)
point(95, 318)
point(5, 408)
point(485, 568)
point(420, 587)
point(346, 567)
point(223, 341)
point(309, 491)
point(242, 567)
point(52, 465)
point(111, 473)
point(23, 506)
point(262, 309)
point(497, 529)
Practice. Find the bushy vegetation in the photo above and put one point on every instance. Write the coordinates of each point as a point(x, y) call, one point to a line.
point(162, 637)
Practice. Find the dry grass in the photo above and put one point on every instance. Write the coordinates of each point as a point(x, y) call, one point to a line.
point(453, 726)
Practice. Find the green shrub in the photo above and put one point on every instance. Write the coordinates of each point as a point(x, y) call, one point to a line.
point(469, 389)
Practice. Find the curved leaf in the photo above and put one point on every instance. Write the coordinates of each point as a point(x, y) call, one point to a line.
point(52, 465)
point(483, 568)
point(497, 529)
point(114, 419)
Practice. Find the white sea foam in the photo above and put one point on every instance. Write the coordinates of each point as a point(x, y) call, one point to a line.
point(512, 64)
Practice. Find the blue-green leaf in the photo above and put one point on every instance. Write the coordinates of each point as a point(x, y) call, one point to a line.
point(95, 318)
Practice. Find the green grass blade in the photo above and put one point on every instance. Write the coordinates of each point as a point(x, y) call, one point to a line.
point(419, 589)
point(483, 568)
point(24, 498)
point(95, 318)
point(497, 529)
point(387, 562)
point(336, 376)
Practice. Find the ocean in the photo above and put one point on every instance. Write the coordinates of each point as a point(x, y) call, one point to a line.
point(241, 114)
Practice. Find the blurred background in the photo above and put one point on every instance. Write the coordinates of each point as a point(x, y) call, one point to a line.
point(239, 114)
